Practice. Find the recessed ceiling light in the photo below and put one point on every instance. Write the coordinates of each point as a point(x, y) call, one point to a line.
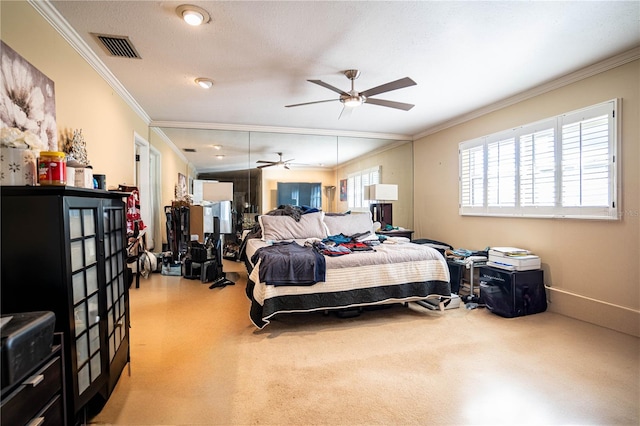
point(218, 147)
point(220, 156)
point(205, 83)
point(193, 15)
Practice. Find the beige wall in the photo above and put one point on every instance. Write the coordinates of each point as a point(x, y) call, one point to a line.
point(596, 259)
point(84, 100)
point(397, 168)
point(171, 165)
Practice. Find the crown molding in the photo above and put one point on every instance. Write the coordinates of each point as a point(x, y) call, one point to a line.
point(275, 129)
point(171, 145)
point(590, 71)
point(57, 21)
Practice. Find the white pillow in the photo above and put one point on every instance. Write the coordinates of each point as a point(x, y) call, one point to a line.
point(286, 228)
point(349, 224)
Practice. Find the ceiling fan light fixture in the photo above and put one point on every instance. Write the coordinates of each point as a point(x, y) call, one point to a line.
point(352, 101)
point(205, 83)
point(193, 15)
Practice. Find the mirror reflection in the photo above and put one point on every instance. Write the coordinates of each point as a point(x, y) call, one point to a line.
point(257, 162)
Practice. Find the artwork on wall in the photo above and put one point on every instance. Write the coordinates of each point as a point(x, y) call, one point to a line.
point(182, 187)
point(27, 98)
point(343, 190)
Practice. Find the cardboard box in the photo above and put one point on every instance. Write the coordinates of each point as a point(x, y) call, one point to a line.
point(84, 178)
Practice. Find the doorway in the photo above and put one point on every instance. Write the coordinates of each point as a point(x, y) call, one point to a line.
point(147, 174)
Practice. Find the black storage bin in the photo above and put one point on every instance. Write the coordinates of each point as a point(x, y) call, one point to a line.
point(512, 293)
point(27, 339)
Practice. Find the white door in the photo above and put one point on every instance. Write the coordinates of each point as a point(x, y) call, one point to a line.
point(143, 182)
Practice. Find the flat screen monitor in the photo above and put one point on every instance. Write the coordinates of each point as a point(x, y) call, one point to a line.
point(300, 194)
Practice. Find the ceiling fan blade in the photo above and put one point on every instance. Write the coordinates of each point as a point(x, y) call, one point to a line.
point(268, 162)
point(309, 103)
point(266, 165)
point(346, 112)
point(286, 161)
point(390, 104)
point(394, 85)
point(328, 86)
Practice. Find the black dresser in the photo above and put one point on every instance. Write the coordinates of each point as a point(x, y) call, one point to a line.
point(64, 251)
point(38, 397)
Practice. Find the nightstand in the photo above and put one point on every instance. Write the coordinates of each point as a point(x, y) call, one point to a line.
point(407, 233)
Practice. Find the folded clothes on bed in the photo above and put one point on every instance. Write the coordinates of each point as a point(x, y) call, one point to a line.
point(337, 250)
point(288, 263)
point(357, 246)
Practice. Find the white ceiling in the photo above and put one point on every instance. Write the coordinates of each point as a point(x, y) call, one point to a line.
point(462, 55)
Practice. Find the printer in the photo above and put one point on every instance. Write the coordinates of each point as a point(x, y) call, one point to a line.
point(513, 259)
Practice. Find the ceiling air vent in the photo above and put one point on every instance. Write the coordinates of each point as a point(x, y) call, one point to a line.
point(189, 150)
point(119, 46)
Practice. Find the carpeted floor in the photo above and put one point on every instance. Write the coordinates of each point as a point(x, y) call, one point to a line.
point(196, 359)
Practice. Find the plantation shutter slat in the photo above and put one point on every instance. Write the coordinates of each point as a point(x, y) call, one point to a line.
point(472, 176)
point(501, 173)
point(585, 163)
point(537, 168)
point(355, 186)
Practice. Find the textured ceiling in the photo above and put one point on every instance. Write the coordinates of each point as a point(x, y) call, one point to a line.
point(462, 55)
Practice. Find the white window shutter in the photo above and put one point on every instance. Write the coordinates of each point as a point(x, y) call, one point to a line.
point(538, 168)
point(563, 166)
point(501, 173)
point(585, 163)
point(471, 175)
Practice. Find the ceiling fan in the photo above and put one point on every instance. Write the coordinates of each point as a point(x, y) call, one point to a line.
point(280, 162)
point(353, 98)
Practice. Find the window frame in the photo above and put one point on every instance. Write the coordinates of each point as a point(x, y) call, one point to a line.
point(474, 197)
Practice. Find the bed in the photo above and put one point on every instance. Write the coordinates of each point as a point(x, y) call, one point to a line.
point(393, 271)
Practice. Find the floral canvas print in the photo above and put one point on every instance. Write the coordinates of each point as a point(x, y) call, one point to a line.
point(27, 98)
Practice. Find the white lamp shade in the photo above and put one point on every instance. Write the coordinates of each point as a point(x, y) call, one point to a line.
point(381, 192)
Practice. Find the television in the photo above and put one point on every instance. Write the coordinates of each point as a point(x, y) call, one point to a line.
point(300, 194)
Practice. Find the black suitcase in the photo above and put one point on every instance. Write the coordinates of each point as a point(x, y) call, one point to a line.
point(210, 271)
point(456, 273)
point(512, 293)
point(191, 269)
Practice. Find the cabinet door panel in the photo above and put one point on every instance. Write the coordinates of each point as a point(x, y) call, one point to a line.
point(116, 320)
point(77, 257)
point(92, 279)
point(83, 237)
point(75, 224)
point(79, 286)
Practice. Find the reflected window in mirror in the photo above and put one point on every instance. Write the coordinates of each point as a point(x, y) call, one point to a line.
point(356, 182)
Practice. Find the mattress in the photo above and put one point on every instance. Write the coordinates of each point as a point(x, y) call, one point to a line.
point(392, 273)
